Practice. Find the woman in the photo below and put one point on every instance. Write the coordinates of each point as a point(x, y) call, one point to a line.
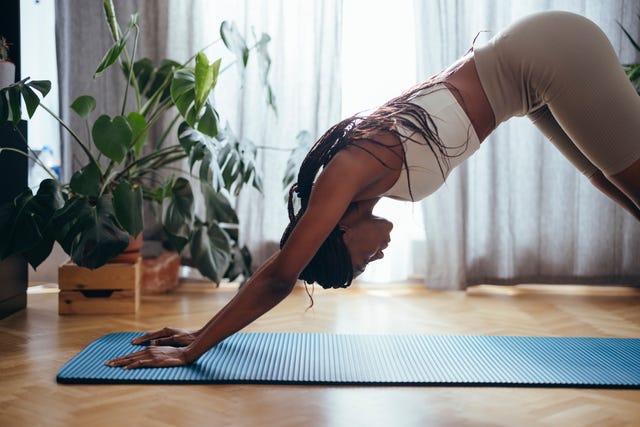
point(558, 68)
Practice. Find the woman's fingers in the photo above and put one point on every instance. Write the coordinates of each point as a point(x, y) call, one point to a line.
point(138, 364)
point(166, 336)
point(164, 332)
point(177, 340)
point(149, 358)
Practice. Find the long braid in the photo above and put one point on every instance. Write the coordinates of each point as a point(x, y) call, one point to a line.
point(331, 266)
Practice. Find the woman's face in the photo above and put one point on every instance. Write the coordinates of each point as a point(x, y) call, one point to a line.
point(366, 236)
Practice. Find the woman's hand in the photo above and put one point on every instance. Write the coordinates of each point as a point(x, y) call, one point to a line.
point(167, 336)
point(151, 357)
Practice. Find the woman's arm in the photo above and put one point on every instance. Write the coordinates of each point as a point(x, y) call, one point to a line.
point(260, 294)
point(347, 175)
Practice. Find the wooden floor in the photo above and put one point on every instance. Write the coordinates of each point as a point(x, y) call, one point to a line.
point(36, 342)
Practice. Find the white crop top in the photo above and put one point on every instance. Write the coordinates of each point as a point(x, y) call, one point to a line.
point(456, 133)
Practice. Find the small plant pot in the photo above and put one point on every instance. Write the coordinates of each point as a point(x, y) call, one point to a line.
point(131, 253)
point(7, 73)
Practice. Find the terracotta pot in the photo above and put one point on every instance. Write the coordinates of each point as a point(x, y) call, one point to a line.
point(131, 253)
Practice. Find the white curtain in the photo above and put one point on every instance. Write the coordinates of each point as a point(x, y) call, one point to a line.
point(305, 53)
point(517, 211)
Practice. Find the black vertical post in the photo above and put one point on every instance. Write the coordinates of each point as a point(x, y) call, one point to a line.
point(13, 173)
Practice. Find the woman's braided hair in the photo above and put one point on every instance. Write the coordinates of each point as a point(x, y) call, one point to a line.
point(331, 266)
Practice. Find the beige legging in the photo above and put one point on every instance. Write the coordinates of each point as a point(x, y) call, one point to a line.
point(560, 70)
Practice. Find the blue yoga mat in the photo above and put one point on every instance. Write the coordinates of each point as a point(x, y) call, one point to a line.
point(296, 358)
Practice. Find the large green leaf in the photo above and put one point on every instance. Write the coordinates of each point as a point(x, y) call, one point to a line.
point(264, 66)
point(240, 264)
point(25, 222)
point(42, 86)
point(127, 204)
point(83, 105)
point(111, 56)
point(183, 94)
point(114, 52)
point(44, 204)
point(210, 172)
point(31, 100)
point(230, 166)
point(190, 138)
point(236, 160)
point(210, 251)
point(15, 105)
point(138, 129)
point(203, 79)
point(86, 181)
point(218, 208)
point(112, 138)
point(11, 98)
point(25, 232)
point(142, 71)
point(206, 77)
point(183, 82)
point(90, 232)
point(177, 213)
point(208, 123)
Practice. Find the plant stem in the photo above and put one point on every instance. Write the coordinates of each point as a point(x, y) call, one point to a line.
point(116, 34)
point(158, 164)
point(34, 158)
point(166, 132)
point(129, 79)
point(201, 50)
point(111, 20)
point(74, 136)
point(153, 99)
point(107, 181)
point(148, 158)
point(86, 123)
point(157, 113)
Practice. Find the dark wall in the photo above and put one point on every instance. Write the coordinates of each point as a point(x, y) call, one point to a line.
point(10, 29)
point(13, 173)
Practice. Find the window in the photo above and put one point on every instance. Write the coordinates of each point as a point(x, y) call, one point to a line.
point(38, 61)
point(379, 63)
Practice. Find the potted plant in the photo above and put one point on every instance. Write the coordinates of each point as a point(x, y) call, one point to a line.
point(95, 214)
point(7, 68)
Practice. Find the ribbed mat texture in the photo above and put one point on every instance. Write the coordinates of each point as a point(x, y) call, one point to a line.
point(300, 358)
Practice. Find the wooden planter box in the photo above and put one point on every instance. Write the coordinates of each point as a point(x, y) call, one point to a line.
point(110, 289)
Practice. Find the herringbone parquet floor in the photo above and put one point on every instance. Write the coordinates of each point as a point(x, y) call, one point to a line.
point(36, 342)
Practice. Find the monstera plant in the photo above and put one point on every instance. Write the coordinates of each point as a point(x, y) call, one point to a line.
point(94, 214)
